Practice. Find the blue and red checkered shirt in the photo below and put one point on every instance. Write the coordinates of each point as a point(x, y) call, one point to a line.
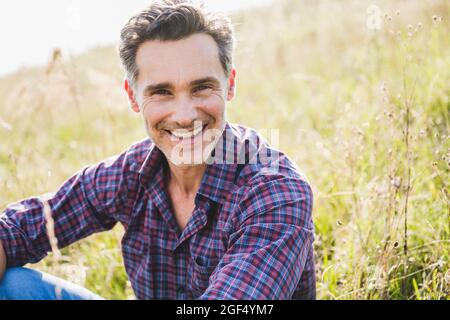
point(250, 235)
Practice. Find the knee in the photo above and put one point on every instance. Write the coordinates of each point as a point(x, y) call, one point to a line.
point(16, 282)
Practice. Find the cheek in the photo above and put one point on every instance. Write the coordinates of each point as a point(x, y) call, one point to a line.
point(214, 104)
point(153, 114)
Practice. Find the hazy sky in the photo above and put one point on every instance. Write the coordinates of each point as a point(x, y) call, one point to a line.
point(29, 29)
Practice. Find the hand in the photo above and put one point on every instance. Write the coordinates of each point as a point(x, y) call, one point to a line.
point(2, 261)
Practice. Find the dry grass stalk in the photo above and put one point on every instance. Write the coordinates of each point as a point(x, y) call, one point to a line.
point(50, 226)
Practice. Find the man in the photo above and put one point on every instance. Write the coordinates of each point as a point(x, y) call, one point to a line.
point(210, 210)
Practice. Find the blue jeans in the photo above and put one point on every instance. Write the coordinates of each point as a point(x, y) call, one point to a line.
point(29, 284)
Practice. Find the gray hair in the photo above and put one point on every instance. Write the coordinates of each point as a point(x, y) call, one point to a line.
point(168, 20)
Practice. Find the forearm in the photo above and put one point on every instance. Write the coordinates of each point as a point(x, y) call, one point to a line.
point(75, 209)
point(2, 261)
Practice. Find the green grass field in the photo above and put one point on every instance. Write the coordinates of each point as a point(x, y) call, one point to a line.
point(363, 111)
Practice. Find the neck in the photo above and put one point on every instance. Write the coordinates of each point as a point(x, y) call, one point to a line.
point(186, 179)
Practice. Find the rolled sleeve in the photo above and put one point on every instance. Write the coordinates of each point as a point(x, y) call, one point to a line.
point(14, 241)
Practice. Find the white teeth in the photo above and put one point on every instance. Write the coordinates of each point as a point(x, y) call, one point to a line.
point(184, 134)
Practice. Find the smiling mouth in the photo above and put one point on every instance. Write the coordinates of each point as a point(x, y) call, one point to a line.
point(184, 135)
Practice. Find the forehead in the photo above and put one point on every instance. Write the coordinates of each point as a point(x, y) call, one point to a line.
point(178, 61)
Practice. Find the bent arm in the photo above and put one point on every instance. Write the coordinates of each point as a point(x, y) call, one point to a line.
point(268, 270)
point(87, 203)
point(269, 251)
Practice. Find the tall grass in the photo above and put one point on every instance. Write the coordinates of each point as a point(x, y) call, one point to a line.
point(363, 112)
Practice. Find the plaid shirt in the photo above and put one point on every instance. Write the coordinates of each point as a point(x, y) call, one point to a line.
point(250, 235)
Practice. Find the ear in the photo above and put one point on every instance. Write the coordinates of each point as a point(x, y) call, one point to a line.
point(231, 85)
point(131, 97)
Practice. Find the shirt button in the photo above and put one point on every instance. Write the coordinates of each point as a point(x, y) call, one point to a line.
point(200, 261)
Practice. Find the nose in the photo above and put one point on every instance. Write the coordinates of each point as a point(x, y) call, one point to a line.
point(184, 113)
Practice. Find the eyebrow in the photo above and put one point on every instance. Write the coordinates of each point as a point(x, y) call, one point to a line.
point(168, 85)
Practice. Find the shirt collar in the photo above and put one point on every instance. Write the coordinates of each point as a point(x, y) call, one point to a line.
point(218, 179)
point(152, 164)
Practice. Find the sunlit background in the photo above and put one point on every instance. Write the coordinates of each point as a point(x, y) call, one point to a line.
point(360, 94)
point(30, 29)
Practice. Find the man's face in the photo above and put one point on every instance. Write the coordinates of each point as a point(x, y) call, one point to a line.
point(182, 91)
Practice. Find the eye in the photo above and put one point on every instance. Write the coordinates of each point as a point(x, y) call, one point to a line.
point(202, 88)
point(161, 92)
